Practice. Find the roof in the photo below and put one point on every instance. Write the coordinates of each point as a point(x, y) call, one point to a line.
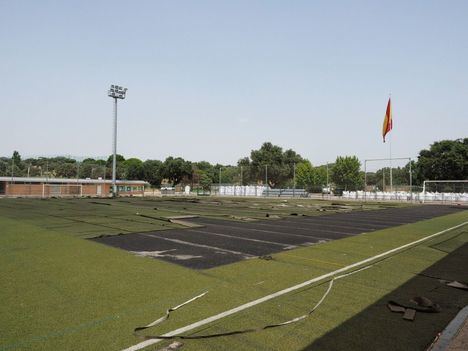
point(68, 180)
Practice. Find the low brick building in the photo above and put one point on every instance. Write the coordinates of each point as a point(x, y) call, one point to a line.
point(61, 187)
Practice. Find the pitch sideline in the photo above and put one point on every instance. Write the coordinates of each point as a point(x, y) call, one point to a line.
point(247, 305)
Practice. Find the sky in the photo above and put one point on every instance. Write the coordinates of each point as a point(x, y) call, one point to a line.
point(212, 80)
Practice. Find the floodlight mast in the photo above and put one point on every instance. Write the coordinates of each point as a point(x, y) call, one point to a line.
point(115, 92)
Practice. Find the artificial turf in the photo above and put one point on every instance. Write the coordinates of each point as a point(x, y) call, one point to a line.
point(60, 292)
point(94, 217)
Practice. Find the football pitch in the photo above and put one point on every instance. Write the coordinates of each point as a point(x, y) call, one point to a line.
point(81, 274)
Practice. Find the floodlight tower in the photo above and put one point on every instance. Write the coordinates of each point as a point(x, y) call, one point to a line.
point(115, 92)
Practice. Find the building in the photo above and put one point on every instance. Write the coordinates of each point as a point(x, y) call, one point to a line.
point(61, 187)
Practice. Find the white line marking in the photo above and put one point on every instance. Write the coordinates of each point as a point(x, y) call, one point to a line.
point(348, 220)
point(270, 231)
point(238, 237)
point(317, 226)
point(177, 241)
point(221, 315)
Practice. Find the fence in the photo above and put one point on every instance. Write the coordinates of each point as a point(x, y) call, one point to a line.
point(285, 193)
point(255, 190)
point(406, 196)
point(238, 190)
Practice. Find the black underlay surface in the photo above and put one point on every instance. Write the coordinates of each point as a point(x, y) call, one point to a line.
point(218, 242)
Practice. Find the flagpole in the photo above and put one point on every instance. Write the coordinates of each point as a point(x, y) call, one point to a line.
point(391, 175)
point(390, 147)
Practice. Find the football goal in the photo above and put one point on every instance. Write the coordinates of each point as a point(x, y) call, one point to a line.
point(445, 190)
point(62, 190)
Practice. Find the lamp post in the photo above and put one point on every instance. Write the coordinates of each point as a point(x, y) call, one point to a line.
point(328, 183)
point(294, 179)
point(115, 92)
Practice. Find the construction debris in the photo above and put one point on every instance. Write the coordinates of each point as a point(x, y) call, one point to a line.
point(457, 285)
point(419, 303)
point(173, 346)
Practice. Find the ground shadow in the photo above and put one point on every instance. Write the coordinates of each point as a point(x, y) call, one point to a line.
point(376, 328)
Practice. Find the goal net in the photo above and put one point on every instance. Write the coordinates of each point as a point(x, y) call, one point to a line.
point(445, 190)
point(62, 190)
point(388, 175)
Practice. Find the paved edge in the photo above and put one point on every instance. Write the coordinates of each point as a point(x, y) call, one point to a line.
point(445, 339)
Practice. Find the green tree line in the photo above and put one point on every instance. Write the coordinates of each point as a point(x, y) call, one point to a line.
point(443, 160)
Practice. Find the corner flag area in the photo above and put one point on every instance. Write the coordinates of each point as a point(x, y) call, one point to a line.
point(82, 274)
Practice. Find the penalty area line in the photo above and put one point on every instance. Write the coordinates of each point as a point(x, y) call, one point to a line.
point(247, 305)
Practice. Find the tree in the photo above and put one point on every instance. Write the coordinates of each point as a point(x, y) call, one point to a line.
point(305, 175)
point(86, 170)
point(4, 166)
point(310, 178)
point(400, 176)
point(121, 171)
point(152, 172)
point(346, 173)
point(133, 169)
point(175, 169)
point(203, 166)
point(66, 170)
point(321, 175)
point(445, 160)
point(229, 175)
point(207, 168)
point(16, 164)
point(204, 180)
point(271, 158)
point(118, 158)
point(16, 158)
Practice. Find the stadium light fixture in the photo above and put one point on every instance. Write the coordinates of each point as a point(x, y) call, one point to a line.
point(115, 92)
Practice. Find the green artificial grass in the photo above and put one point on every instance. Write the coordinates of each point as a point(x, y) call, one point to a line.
point(60, 292)
point(89, 218)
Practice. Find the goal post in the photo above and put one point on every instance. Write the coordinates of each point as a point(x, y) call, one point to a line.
point(447, 188)
point(62, 190)
point(389, 159)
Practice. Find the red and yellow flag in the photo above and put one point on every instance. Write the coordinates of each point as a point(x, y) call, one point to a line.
point(388, 122)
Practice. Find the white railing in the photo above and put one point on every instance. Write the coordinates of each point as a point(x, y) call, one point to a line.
point(238, 190)
point(406, 196)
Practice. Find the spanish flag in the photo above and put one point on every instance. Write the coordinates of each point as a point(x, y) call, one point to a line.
point(388, 122)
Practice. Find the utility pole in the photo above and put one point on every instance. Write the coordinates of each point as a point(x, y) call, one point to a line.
point(294, 179)
point(383, 179)
point(410, 181)
point(12, 168)
point(219, 186)
point(365, 180)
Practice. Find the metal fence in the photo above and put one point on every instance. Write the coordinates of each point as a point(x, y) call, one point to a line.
point(255, 190)
point(237, 190)
point(406, 196)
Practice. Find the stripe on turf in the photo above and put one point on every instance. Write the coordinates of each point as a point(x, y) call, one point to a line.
point(221, 315)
